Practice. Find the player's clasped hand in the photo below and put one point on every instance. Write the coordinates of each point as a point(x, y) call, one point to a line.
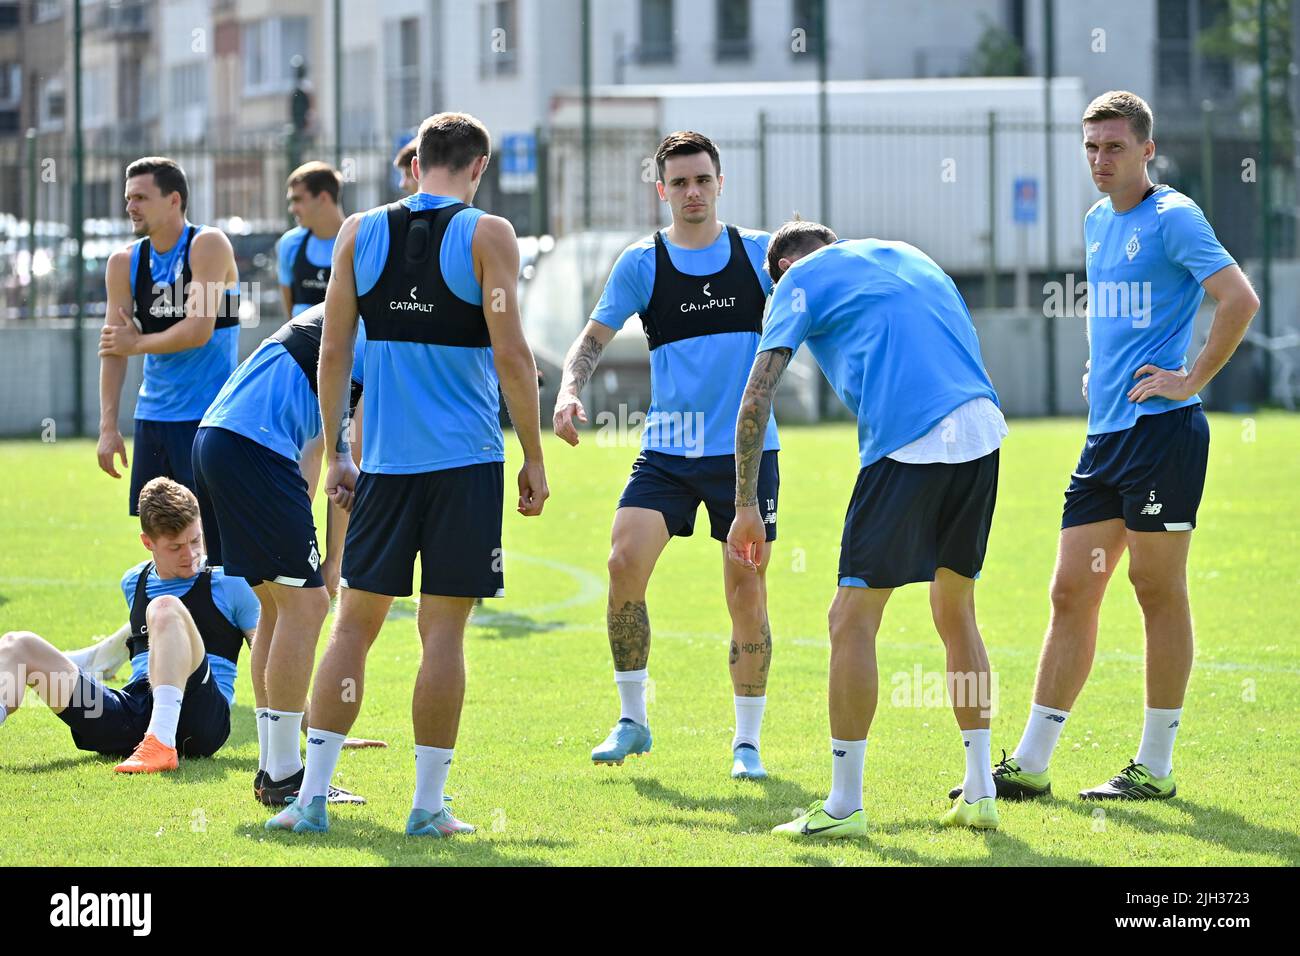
point(120, 339)
point(567, 408)
point(1160, 383)
point(746, 537)
point(341, 481)
point(1087, 369)
point(532, 489)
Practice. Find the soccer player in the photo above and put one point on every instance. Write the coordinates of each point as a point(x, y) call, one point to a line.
point(1151, 258)
point(402, 163)
point(305, 251)
point(700, 289)
point(434, 280)
point(257, 457)
point(892, 334)
point(188, 623)
point(172, 297)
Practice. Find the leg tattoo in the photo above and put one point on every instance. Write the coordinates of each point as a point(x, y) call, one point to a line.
point(629, 635)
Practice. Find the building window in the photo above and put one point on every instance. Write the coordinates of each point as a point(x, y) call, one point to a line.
point(808, 17)
point(96, 91)
point(267, 48)
point(498, 32)
point(733, 30)
point(9, 18)
point(187, 86)
point(46, 10)
point(359, 119)
point(402, 73)
point(656, 41)
point(11, 85)
point(51, 103)
point(1182, 70)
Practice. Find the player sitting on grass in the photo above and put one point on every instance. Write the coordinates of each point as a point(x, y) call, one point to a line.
point(188, 623)
point(893, 336)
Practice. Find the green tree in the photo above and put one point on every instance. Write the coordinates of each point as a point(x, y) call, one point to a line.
point(996, 53)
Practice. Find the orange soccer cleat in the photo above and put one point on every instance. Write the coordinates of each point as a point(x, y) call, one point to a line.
point(151, 756)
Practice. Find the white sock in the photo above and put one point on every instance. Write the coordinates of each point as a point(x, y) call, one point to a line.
point(749, 721)
point(1156, 752)
point(978, 783)
point(848, 757)
point(166, 713)
point(262, 724)
point(323, 749)
point(282, 756)
point(1042, 731)
point(631, 695)
point(432, 765)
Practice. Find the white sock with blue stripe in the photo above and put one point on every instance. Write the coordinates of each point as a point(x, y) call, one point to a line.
point(631, 695)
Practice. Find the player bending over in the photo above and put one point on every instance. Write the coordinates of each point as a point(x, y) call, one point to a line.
point(894, 338)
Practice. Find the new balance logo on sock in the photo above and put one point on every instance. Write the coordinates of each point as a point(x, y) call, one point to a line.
point(839, 753)
point(1173, 725)
point(271, 717)
point(1056, 717)
point(315, 740)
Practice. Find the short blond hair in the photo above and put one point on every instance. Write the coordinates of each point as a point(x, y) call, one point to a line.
point(1121, 104)
point(167, 508)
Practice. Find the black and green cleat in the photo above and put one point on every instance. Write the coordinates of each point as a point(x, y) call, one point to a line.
point(1134, 782)
point(1012, 783)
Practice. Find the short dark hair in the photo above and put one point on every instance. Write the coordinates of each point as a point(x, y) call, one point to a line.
point(685, 142)
point(318, 177)
point(452, 141)
point(407, 153)
point(167, 175)
point(1121, 104)
point(794, 238)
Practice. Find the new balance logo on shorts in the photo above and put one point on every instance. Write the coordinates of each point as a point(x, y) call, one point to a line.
point(1151, 509)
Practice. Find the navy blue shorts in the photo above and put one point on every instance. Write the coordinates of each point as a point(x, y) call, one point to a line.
point(451, 518)
point(1151, 475)
point(906, 520)
point(674, 485)
point(256, 514)
point(110, 721)
point(161, 450)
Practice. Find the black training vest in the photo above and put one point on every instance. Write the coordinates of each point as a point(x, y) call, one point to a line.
point(412, 302)
point(685, 306)
point(309, 281)
point(158, 308)
point(220, 637)
point(301, 337)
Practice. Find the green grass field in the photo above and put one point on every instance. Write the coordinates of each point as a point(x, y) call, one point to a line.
point(540, 691)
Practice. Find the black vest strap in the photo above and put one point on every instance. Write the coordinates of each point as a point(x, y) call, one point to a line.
point(412, 302)
point(309, 281)
point(159, 307)
point(687, 306)
point(301, 337)
point(220, 636)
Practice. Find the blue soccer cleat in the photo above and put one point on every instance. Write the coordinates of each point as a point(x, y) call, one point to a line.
point(301, 818)
point(438, 825)
point(748, 765)
point(627, 739)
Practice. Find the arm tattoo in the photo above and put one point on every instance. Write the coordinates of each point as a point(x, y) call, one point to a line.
point(629, 635)
point(580, 363)
point(343, 443)
point(751, 423)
